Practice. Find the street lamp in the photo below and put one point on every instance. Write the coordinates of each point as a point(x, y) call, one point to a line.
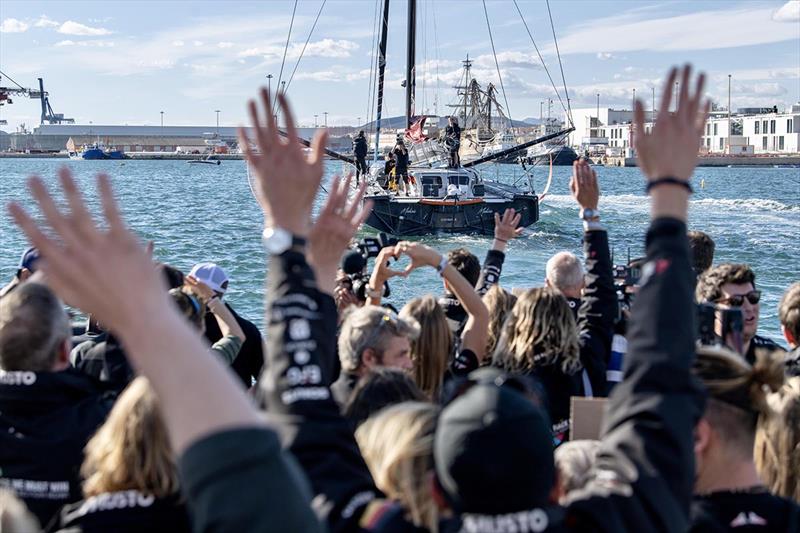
point(359, 121)
point(162, 120)
point(269, 83)
point(217, 112)
point(315, 121)
point(326, 118)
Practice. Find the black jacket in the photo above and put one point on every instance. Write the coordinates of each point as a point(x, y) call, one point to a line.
point(643, 477)
point(400, 160)
point(126, 511)
point(721, 512)
point(758, 343)
point(46, 418)
point(103, 358)
point(360, 147)
point(250, 360)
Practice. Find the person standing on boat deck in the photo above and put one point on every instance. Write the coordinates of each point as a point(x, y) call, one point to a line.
point(401, 165)
point(360, 154)
point(452, 138)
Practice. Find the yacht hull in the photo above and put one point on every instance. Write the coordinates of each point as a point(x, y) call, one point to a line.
point(401, 216)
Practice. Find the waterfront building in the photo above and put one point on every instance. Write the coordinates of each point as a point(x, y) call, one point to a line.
point(760, 131)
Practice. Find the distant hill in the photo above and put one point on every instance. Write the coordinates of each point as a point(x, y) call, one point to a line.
point(532, 121)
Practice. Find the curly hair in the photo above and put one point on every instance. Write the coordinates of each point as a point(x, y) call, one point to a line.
point(710, 282)
point(539, 331)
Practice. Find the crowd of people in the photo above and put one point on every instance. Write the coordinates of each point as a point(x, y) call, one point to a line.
point(167, 411)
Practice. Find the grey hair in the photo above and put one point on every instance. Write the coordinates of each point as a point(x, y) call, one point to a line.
point(359, 332)
point(574, 461)
point(565, 271)
point(32, 326)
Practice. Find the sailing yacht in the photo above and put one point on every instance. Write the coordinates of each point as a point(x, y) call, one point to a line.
point(445, 199)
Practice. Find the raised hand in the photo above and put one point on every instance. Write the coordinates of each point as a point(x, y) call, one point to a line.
point(583, 185)
point(671, 148)
point(334, 228)
point(201, 289)
point(105, 272)
point(505, 228)
point(419, 254)
point(287, 181)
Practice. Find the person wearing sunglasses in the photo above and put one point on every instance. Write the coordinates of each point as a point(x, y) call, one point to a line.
point(733, 286)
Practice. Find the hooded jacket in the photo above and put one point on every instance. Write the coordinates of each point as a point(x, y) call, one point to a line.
point(46, 418)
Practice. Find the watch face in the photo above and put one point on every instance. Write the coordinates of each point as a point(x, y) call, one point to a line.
point(277, 240)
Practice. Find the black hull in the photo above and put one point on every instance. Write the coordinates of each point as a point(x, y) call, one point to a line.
point(401, 217)
point(562, 157)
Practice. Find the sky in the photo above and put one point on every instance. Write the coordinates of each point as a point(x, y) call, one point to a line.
point(118, 62)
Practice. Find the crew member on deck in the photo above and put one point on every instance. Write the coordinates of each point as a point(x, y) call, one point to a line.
point(360, 153)
point(452, 139)
point(401, 166)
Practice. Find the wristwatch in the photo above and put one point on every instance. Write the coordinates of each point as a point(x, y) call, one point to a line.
point(589, 214)
point(277, 240)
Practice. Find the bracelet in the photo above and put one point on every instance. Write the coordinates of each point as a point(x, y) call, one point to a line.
point(442, 265)
point(592, 225)
point(669, 181)
point(501, 240)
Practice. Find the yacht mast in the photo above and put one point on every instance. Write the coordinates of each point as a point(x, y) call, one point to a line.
point(410, 68)
point(381, 72)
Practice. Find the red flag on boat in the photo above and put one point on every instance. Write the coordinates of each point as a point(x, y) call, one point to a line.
point(414, 132)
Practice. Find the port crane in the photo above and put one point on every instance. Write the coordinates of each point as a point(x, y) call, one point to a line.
point(48, 116)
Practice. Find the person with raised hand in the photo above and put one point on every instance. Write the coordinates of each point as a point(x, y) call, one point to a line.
point(221, 441)
point(473, 337)
point(301, 319)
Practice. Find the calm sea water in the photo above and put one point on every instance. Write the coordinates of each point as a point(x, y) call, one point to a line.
point(200, 213)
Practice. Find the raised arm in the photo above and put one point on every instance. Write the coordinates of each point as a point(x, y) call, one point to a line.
point(476, 329)
point(213, 426)
point(381, 273)
point(301, 321)
point(645, 468)
point(599, 300)
point(505, 229)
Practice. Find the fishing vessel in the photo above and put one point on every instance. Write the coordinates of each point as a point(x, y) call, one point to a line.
point(97, 150)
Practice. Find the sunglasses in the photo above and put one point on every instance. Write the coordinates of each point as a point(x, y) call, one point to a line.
point(737, 300)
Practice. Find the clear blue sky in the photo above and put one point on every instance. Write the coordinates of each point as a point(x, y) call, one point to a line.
point(119, 62)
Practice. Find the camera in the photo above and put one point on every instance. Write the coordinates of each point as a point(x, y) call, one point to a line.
point(732, 326)
point(354, 263)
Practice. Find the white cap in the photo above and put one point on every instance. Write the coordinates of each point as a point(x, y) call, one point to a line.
point(212, 275)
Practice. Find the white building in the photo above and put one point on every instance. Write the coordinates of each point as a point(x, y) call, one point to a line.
point(764, 133)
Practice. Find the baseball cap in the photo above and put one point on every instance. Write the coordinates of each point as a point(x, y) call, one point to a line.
point(212, 275)
point(29, 258)
point(493, 449)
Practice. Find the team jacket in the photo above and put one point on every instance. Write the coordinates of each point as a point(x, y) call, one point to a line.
point(645, 469)
point(46, 418)
point(127, 511)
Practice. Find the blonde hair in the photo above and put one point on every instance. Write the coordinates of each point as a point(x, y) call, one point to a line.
point(539, 331)
point(499, 303)
point(777, 447)
point(431, 350)
point(397, 445)
point(131, 450)
point(738, 392)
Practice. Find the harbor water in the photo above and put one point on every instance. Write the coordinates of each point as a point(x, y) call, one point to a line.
point(197, 213)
